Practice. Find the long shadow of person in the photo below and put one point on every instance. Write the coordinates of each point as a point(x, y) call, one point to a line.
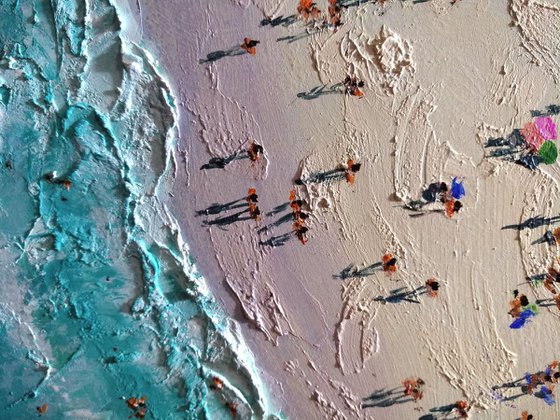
point(354, 3)
point(278, 209)
point(279, 240)
point(219, 54)
point(280, 20)
point(284, 219)
point(533, 223)
point(443, 410)
point(227, 220)
point(219, 208)
point(519, 383)
point(546, 303)
point(351, 271)
point(550, 110)
point(513, 149)
point(321, 90)
point(386, 398)
point(402, 294)
point(221, 163)
point(293, 38)
point(320, 177)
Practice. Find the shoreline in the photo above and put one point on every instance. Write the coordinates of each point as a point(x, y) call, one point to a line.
point(305, 134)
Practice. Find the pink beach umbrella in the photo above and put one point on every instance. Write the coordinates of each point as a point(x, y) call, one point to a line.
point(547, 128)
point(532, 135)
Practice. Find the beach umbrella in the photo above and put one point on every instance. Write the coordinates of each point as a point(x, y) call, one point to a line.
point(548, 152)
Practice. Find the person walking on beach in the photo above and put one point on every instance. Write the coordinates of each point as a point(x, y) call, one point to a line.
point(517, 304)
point(299, 227)
point(413, 388)
point(307, 9)
point(351, 169)
point(250, 45)
point(526, 416)
point(353, 86)
point(462, 408)
point(334, 14)
point(252, 199)
point(432, 287)
point(255, 151)
point(389, 263)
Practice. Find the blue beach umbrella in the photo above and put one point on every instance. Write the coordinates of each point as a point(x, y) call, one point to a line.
point(547, 395)
point(457, 189)
point(523, 318)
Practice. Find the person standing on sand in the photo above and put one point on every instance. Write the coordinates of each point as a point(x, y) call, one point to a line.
point(351, 169)
point(389, 263)
point(249, 45)
point(413, 388)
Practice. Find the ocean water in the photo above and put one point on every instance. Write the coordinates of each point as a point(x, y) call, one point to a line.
point(100, 300)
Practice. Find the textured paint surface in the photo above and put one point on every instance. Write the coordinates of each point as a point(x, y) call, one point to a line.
point(325, 323)
point(100, 300)
point(109, 168)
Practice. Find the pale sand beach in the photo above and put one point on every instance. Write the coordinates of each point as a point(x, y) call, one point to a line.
point(440, 80)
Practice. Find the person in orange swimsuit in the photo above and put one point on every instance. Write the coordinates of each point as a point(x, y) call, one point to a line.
point(517, 304)
point(301, 232)
point(252, 199)
point(389, 263)
point(353, 86)
point(307, 9)
point(462, 408)
point(351, 169)
point(452, 206)
point(526, 416)
point(432, 286)
point(413, 388)
point(250, 45)
point(334, 14)
point(255, 151)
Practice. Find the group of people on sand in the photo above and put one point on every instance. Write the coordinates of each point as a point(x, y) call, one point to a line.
point(252, 200)
point(439, 197)
point(309, 12)
point(522, 310)
point(300, 217)
point(414, 387)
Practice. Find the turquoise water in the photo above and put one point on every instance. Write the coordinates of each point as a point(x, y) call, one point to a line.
point(100, 300)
